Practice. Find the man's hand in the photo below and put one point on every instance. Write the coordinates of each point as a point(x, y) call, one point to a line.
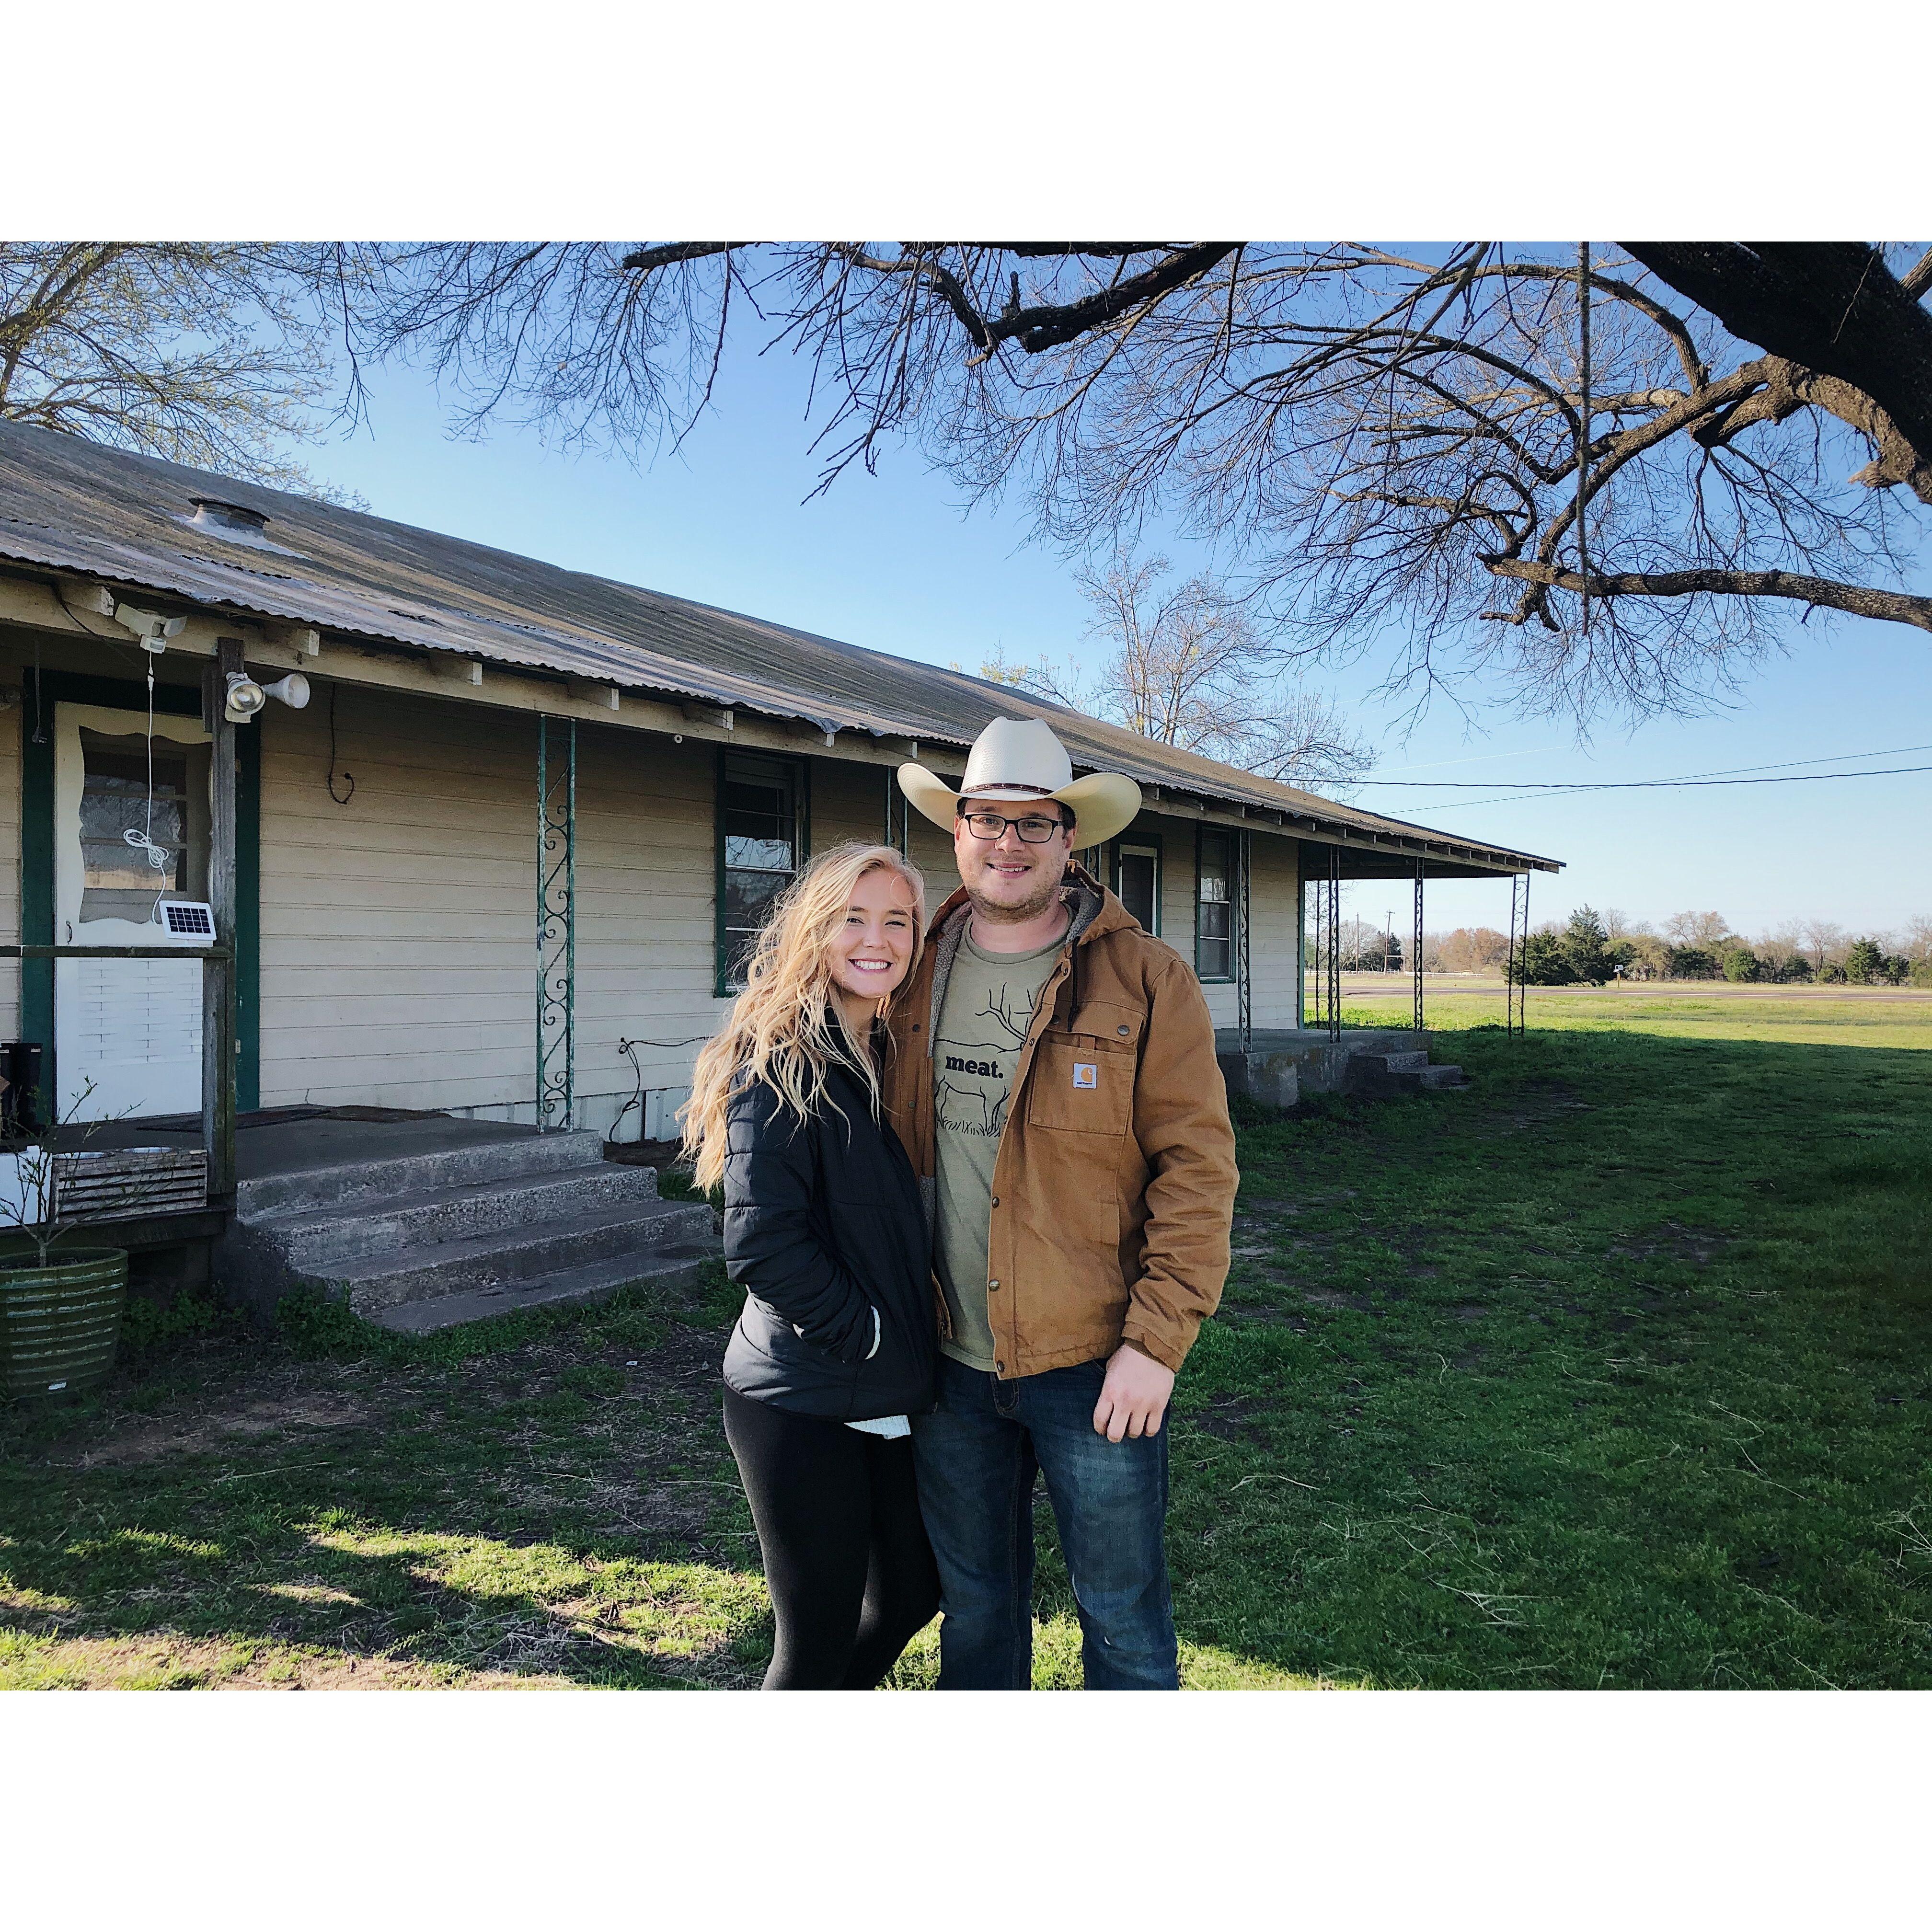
point(1133, 1398)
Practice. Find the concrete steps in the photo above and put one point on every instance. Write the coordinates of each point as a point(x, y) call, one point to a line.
point(421, 1240)
point(1387, 1076)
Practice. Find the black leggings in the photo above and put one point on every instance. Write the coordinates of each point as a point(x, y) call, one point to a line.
point(850, 1570)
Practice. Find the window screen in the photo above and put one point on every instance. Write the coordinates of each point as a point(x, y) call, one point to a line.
point(760, 850)
point(1137, 881)
point(118, 881)
point(1214, 914)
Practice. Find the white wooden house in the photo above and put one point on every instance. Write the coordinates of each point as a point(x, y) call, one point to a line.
point(483, 729)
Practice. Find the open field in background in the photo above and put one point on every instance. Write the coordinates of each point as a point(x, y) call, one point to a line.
point(1615, 1368)
point(1847, 1016)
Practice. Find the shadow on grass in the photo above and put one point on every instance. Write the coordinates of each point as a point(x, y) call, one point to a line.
point(1611, 1369)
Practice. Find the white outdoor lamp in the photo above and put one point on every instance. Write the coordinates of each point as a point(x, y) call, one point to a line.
point(291, 691)
point(245, 697)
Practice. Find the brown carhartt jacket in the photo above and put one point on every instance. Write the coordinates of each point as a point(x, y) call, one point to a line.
point(1114, 1187)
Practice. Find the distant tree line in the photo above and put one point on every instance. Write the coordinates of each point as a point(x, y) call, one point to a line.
point(1592, 948)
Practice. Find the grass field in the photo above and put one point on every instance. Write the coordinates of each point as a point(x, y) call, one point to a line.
point(1614, 1369)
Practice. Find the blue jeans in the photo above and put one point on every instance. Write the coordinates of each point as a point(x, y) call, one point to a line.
point(977, 1455)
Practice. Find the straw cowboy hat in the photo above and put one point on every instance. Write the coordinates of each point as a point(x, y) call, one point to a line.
point(1019, 761)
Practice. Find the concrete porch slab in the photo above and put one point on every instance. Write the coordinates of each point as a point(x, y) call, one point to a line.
point(1282, 1064)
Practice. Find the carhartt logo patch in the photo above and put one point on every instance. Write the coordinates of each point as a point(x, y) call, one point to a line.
point(1086, 1073)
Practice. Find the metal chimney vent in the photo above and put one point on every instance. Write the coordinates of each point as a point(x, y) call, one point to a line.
point(228, 516)
point(233, 523)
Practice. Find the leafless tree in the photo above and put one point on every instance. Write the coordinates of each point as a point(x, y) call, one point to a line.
point(1385, 446)
point(1703, 929)
point(204, 354)
point(1916, 944)
point(1188, 666)
point(1826, 938)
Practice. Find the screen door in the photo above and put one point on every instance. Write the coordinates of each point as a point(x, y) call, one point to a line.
point(128, 1030)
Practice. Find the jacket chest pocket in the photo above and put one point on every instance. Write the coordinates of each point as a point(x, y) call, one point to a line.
point(1082, 1082)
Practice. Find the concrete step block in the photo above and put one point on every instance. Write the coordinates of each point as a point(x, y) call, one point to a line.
point(1444, 1076)
point(464, 1164)
point(572, 1288)
point(314, 1238)
point(483, 1261)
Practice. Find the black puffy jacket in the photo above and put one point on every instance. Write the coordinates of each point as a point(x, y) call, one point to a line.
point(823, 1224)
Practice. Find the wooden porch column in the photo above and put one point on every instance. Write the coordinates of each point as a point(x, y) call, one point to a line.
point(217, 1005)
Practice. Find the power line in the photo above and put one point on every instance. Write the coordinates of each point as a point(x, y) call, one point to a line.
point(1550, 788)
point(1723, 771)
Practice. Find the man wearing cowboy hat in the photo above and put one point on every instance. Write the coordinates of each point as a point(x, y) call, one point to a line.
point(1053, 1078)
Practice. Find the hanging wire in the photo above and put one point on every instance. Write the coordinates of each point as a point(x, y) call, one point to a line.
point(1583, 432)
point(349, 778)
point(144, 841)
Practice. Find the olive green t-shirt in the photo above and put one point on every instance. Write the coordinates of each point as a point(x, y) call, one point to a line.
point(982, 1025)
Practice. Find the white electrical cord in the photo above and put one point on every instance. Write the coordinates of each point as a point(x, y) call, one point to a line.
point(144, 841)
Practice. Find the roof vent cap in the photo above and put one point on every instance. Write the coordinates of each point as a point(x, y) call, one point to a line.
point(212, 513)
point(234, 524)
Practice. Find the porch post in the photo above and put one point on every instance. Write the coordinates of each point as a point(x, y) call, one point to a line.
point(1245, 989)
point(1415, 963)
point(1334, 959)
point(218, 981)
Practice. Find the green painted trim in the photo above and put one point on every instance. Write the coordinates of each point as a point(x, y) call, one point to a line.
point(1158, 842)
point(37, 861)
point(37, 883)
point(1201, 833)
point(248, 919)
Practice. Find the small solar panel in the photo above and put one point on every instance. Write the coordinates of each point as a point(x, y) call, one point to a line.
point(187, 922)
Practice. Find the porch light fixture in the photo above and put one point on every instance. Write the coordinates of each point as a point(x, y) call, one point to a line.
point(245, 697)
point(149, 626)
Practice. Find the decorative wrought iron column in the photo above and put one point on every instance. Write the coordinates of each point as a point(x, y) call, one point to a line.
point(1334, 960)
point(1415, 957)
point(1243, 987)
point(557, 922)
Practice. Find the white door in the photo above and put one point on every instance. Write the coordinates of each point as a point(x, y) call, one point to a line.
point(130, 1028)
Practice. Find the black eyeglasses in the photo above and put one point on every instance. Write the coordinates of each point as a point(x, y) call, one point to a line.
point(1034, 829)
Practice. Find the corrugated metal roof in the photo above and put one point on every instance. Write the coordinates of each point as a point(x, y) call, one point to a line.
point(71, 505)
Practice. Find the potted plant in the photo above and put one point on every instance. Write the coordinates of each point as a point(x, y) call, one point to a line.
point(60, 1314)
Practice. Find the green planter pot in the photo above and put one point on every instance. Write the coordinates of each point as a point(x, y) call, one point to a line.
point(60, 1324)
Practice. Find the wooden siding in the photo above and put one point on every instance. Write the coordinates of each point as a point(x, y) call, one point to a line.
point(397, 956)
point(398, 963)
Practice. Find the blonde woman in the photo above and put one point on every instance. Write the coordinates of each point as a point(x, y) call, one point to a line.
point(838, 1342)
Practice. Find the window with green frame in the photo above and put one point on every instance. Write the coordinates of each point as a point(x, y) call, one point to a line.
point(762, 831)
point(1214, 908)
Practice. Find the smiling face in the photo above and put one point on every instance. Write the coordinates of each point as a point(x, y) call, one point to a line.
point(1009, 879)
point(871, 951)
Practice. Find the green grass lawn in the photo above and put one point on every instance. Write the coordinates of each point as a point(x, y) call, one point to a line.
point(1614, 1368)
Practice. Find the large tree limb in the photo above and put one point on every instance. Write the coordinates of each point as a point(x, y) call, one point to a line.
point(1831, 307)
point(1860, 600)
point(642, 261)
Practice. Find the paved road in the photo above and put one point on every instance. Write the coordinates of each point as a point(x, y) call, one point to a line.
point(1396, 985)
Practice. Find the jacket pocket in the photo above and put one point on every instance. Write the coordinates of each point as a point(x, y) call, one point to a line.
point(1081, 1083)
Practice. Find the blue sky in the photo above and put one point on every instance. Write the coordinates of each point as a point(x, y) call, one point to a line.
point(891, 562)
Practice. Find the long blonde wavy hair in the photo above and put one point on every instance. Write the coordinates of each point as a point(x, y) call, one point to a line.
point(785, 1028)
